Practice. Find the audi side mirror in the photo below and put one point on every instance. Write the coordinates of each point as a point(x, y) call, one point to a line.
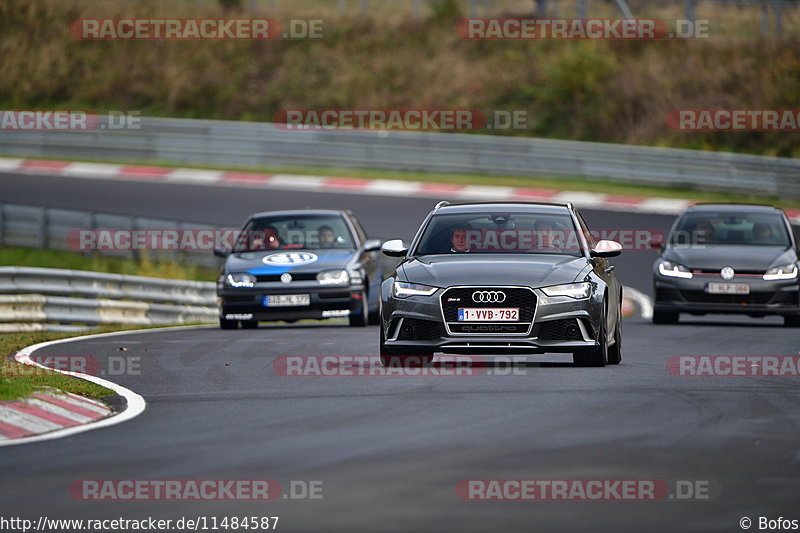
point(394, 248)
point(606, 249)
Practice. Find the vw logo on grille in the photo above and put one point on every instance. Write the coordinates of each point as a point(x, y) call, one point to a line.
point(286, 277)
point(727, 273)
point(488, 297)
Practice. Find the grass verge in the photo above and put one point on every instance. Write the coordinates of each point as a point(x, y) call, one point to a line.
point(31, 257)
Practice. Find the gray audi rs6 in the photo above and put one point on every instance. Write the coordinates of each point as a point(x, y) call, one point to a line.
point(499, 278)
point(728, 258)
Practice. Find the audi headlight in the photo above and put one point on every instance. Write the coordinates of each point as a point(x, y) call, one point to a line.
point(673, 270)
point(333, 277)
point(402, 289)
point(240, 279)
point(577, 291)
point(781, 272)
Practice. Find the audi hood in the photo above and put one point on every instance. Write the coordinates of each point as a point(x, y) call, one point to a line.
point(493, 269)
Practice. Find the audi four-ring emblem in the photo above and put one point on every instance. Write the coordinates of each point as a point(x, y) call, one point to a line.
point(488, 297)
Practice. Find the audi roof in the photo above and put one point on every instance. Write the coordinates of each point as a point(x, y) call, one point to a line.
point(480, 207)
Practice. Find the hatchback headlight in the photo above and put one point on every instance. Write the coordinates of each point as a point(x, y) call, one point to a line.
point(333, 277)
point(577, 291)
point(402, 289)
point(673, 270)
point(240, 279)
point(781, 272)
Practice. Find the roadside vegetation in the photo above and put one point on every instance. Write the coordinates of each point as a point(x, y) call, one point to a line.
point(32, 257)
point(608, 91)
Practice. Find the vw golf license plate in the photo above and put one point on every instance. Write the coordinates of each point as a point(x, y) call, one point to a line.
point(488, 314)
point(286, 300)
point(728, 288)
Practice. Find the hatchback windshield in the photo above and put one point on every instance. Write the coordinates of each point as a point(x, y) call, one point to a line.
point(728, 228)
point(307, 232)
point(480, 233)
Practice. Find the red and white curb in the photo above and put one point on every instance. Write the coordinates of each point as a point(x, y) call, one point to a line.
point(45, 411)
point(331, 184)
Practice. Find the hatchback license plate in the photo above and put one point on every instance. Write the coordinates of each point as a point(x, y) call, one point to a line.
point(728, 288)
point(287, 300)
point(488, 314)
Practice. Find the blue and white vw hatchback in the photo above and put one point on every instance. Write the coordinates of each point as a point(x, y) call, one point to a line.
point(291, 265)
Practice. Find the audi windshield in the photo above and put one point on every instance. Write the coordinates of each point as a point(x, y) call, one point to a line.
point(483, 233)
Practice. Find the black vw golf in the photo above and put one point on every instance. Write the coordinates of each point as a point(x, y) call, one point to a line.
point(499, 278)
point(728, 258)
point(290, 265)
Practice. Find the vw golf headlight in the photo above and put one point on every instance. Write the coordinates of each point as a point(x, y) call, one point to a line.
point(673, 270)
point(403, 289)
point(577, 291)
point(333, 277)
point(781, 272)
point(240, 279)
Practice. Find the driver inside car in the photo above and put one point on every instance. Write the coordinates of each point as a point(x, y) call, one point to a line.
point(266, 239)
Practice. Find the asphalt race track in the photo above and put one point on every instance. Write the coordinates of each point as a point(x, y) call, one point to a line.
point(390, 450)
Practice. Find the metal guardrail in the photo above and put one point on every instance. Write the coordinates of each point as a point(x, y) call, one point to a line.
point(232, 144)
point(51, 299)
point(47, 227)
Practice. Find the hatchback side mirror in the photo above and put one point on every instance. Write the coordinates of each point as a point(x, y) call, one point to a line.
point(372, 245)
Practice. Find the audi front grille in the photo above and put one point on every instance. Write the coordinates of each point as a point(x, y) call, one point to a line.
point(488, 297)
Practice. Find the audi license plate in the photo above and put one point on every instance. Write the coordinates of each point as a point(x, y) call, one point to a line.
point(728, 288)
point(488, 314)
point(287, 300)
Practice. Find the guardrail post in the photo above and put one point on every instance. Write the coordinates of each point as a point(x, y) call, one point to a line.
point(581, 9)
point(689, 10)
point(134, 252)
point(41, 241)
